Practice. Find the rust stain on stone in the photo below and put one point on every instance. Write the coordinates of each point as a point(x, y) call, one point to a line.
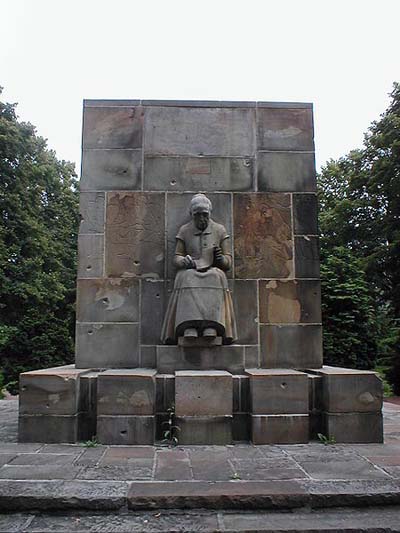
point(263, 236)
point(279, 302)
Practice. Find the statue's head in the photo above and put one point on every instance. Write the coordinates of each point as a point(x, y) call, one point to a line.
point(200, 209)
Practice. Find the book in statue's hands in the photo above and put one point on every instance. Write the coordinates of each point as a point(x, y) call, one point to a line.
point(206, 260)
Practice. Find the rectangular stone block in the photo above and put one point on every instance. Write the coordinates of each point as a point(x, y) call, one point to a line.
point(53, 391)
point(88, 405)
point(278, 391)
point(252, 356)
point(244, 296)
point(92, 212)
point(148, 357)
point(111, 170)
point(305, 214)
point(49, 428)
point(279, 429)
point(108, 300)
point(291, 346)
point(126, 430)
point(203, 393)
point(345, 390)
point(286, 172)
point(306, 257)
point(113, 127)
point(135, 235)
point(263, 236)
point(165, 392)
point(153, 307)
point(198, 173)
point(212, 430)
point(172, 358)
point(127, 392)
point(200, 131)
point(241, 427)
point(315, 392)
point(285, 129)
point(241, 394)
point(178, 214)
point(101, 345)
point(90, 256)
point(354, 427)
point(290, 302)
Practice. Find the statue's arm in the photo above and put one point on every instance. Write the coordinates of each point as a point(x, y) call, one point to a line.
point(180, 257)
point(223, 257)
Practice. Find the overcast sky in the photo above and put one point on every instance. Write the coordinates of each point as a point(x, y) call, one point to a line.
point(342, 56)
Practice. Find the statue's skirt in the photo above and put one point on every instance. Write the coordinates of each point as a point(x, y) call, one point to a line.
point(200, 299)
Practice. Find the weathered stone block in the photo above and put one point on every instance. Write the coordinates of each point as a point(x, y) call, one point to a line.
point(198, 173)
point(203, 393)
point(107, 345)
point(172, 358)
point(153, 306)
point(244, 296)
point(108, 300)
point(148, 357)
point(53, 391)
point(126, 430)
point(305, 214)
point(88, 405)
point(290, 302)
point(306, 257)
point(286, 172)
point(263, 236)
point(200, 131)
point(178, 214)
point(241, 427)
point(278, 391)
point(49, 428)
point(285, 129)
point(241, 394)
point(165, 392)
point(92, 212)
point(279, 429)
point(90, 256)
point(252, 356)
point(345, 390)
point(108, 170)
point(291, 346)
point(205, 430)
point(113, 127)
point(127, 392)
point(135, 235)
point(354, 427)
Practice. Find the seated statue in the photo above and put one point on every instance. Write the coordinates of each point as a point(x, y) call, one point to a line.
point(201, 303)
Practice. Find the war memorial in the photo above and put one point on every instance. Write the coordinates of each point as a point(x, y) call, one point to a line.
point(198, 292)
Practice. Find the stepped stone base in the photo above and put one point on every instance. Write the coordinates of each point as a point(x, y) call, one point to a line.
point(212, 405)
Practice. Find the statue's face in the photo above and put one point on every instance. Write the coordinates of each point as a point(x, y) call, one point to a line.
point(201, 218)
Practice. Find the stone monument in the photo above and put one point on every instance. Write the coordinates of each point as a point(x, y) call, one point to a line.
point(198, 285)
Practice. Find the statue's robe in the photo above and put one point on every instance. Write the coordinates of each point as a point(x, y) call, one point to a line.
point(201, 297)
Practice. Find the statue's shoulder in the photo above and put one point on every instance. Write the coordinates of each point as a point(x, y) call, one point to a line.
point(218, 229)
point(185, 231)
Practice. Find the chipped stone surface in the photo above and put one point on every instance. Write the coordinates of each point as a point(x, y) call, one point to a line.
point(288, 302)
point(263, 237)
point(108, 300)
point(199, 131)
point(153, 305)
point(135, 235)
point(198, 173)
point(107, 345)
point(286, 172)
point(92, 212)
point(113, 127)
point(90, 256)
point(108, 170)
point(307, 257)
point(124, 430)
point(284, 129)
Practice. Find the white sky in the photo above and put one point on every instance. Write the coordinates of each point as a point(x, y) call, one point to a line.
point(342, 55)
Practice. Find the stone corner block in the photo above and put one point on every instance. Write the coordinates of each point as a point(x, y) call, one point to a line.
point(203, 393)
point(127, 392)
point(354, 427)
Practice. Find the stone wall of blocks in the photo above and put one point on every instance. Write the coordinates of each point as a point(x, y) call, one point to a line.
point(142, 161)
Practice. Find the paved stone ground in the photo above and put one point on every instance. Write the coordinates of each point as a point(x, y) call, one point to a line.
point(293, 482)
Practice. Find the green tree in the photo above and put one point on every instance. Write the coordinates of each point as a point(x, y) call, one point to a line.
point(38, 232)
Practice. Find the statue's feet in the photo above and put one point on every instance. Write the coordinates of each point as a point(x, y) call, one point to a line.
point(190, 333)
point(210, 333)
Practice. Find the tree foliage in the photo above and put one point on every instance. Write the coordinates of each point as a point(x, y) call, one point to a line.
point(360, 225)
point(38, 231)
